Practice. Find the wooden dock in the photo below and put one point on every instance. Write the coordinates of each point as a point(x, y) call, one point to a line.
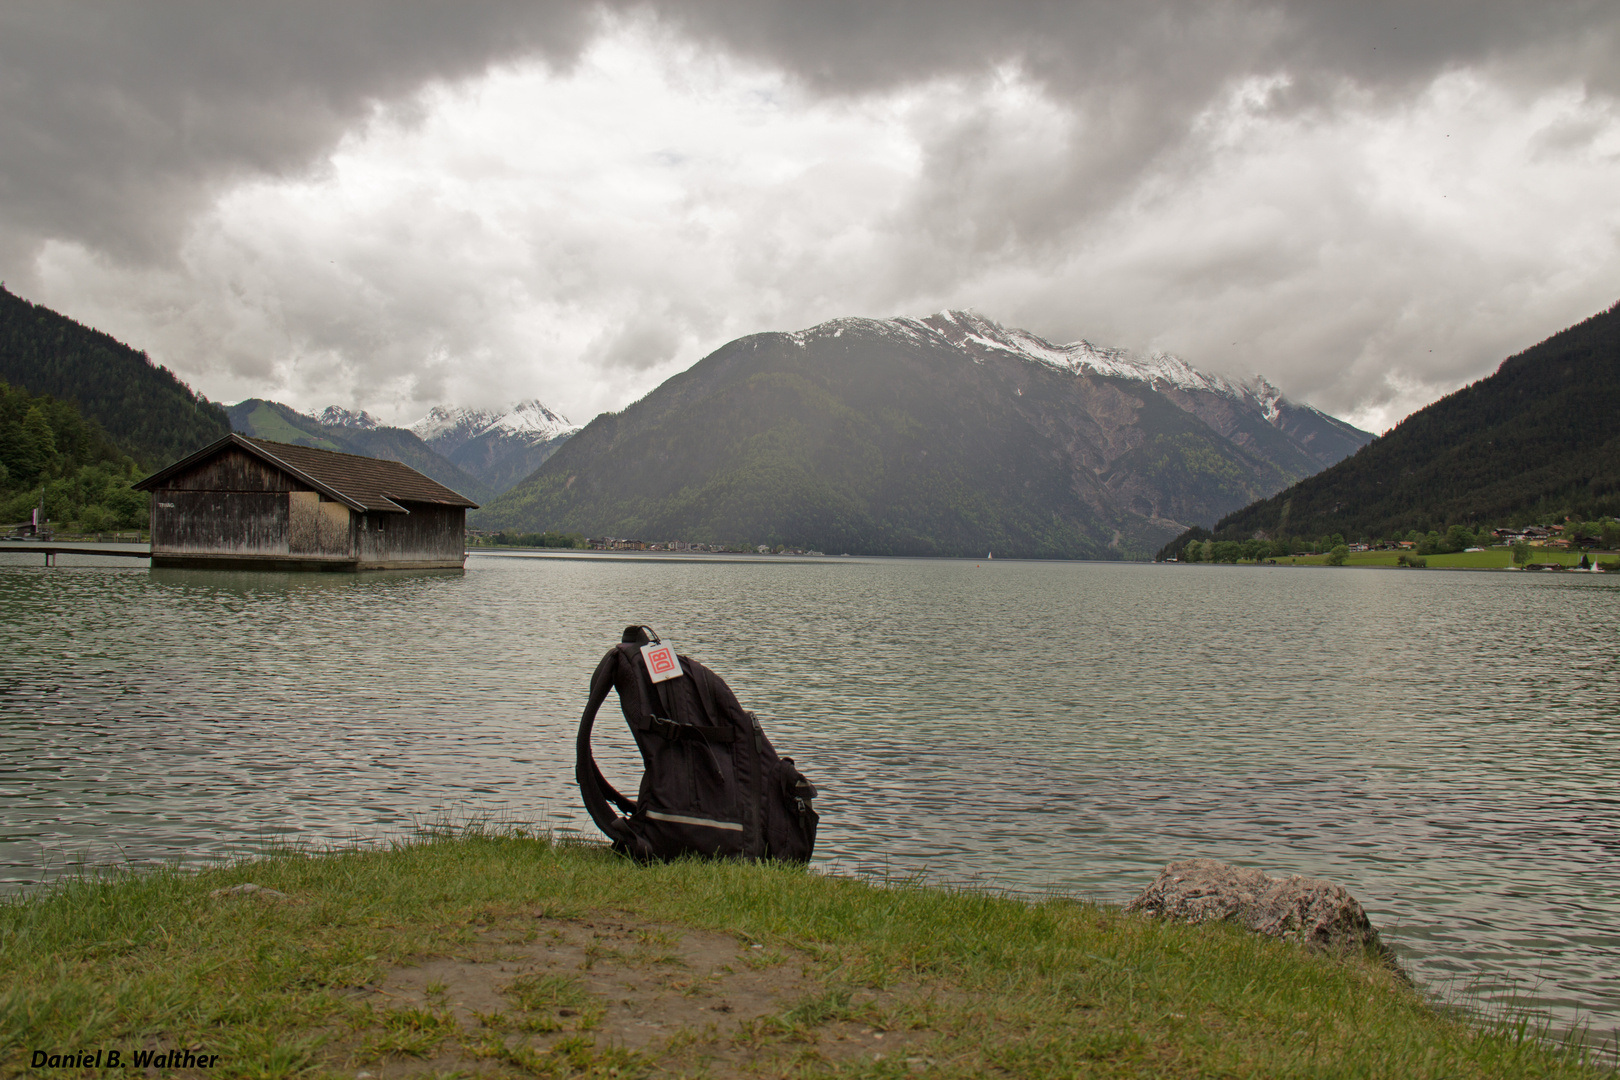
point(51, 551)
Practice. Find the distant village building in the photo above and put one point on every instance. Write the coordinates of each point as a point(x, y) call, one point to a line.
point(254, 504)
point(615, 543)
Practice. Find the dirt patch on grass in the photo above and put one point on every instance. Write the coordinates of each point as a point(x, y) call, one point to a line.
point(619, 996)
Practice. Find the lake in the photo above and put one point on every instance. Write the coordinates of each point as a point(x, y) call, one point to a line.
point(1444, 744)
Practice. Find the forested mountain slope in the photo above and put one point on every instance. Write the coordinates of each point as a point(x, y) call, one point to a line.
point(272, 420)
point(143, 408)
point(52, 455)
point(1538, 440)
point(945, 436)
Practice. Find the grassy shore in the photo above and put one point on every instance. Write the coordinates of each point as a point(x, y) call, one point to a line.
point(486, 954)
point(1489, 559)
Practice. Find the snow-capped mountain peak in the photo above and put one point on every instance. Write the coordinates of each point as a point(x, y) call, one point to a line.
point(979, 336)
point(442, 420)
point(531, 421)
point(1268, 397)
point(977, 333)
point(338, 416)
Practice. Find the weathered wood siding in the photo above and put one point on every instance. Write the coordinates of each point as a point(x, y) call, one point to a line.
point(219, 522)
point(429, 534)
point(232, 470)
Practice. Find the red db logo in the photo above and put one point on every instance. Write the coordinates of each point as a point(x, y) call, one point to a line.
point(661, 662)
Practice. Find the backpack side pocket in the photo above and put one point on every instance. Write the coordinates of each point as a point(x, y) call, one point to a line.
point(790, 829)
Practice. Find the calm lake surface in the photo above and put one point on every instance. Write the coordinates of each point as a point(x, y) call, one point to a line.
point(1445, 745)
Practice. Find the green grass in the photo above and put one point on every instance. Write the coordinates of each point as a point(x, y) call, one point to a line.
point(1489, 559)
point(985, 985)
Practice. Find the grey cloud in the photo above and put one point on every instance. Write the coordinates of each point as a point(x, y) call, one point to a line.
point(1169, 50)
point(1143, 70)
point(646, 342)
point(1565, 137)
point(118, 120)
point(1138, 75)
point(122, 123)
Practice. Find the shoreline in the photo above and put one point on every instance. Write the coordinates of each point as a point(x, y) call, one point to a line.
point(123, 551)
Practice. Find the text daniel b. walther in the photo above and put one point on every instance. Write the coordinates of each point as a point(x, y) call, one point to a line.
point(117, 1059)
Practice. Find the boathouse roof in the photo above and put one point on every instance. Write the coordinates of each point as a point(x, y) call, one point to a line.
point(360, 483)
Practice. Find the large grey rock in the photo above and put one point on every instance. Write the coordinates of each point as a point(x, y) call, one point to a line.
point(1311, 911)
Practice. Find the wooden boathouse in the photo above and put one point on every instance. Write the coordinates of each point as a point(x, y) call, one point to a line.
point(245, 503)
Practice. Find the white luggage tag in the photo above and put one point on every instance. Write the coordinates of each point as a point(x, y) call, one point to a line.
point(661, 662)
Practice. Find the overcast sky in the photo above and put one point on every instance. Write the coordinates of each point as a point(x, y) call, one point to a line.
point(388, 206)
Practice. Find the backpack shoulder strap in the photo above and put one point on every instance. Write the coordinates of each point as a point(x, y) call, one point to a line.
point(595, 790)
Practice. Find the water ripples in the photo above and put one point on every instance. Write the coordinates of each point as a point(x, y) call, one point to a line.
point(1443, 744)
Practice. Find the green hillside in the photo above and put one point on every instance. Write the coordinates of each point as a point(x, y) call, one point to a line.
point(1538, 441)
point(143, 408)
point(272, 420)
point(859, 436)
point(277, 422)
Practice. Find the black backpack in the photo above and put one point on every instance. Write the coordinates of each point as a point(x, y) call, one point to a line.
point(713, 784)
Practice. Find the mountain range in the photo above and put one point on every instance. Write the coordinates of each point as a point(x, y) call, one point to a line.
point(479, 453)
point(950, 435)
point(261, 419)
point(946, 435)
point(499, 447)
point(1536, 441)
